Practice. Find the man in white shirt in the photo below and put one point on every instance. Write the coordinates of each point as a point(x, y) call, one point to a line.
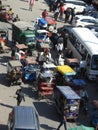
point(44, 57)
point(83, 65)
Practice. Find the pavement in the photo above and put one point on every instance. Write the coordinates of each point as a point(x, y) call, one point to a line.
point(49, 119)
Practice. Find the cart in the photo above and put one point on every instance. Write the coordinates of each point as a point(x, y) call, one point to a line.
point(67, 101)
point(14, 72)
point(46, 84)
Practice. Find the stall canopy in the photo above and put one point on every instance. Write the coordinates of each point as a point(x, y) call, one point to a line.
point(81, 127)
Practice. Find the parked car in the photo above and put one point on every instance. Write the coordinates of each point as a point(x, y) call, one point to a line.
point(81, 21)
point(23, 118)
point(93, 14)
point(93, 28)
point(78, 5)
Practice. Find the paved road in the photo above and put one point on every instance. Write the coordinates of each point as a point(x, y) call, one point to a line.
point(48, 116)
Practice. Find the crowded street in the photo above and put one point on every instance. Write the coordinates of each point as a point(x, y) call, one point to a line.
point(49, 118)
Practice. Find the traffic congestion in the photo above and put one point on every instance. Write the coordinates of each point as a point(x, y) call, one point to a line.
point(49, 66)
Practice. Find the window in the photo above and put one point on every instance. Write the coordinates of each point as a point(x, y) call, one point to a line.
point(94, 64)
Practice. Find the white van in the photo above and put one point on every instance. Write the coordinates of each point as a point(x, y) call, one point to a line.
point(84, 44)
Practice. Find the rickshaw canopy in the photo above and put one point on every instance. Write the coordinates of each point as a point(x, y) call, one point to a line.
point(21, 46)
point(31, 60)
point(65, 70)
point(68, 92)
point(81, 127)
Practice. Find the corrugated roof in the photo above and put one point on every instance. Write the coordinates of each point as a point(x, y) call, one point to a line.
point(68, 92)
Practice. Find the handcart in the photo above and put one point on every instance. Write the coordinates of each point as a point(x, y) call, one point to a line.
point(46, 84)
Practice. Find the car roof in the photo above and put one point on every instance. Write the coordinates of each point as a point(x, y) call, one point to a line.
point(86, 17)
point(25, 117)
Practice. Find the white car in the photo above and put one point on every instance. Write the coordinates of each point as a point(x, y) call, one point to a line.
point(93, 28)
point(78, 5)
point(81, 21)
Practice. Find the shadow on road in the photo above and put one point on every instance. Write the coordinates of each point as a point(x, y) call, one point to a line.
point(25, 9)
point(29, 92)
point(3, 80)
point(3, 127)
point(46, 127)
point(46, 110)
point(6, 105)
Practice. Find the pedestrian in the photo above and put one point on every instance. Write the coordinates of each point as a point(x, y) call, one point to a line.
point(62, 9)
point(62, 122)
point(20, 96)
point(31, 3)
point(67, 13)
point(16, 18)
point(44, 13)
point(83, 65)
point(60, 47)
point(72, 14)
point(56, 13)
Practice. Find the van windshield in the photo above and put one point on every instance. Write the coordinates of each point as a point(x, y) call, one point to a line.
point(94, 64)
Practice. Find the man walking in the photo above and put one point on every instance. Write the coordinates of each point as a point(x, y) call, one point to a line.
point(62, 122)
point(20, 96)
point(31, 3)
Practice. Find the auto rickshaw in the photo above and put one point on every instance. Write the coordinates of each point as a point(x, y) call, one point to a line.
point(31, 69)
point(67, 76)
point(14, 72)
point(46, 84)
point(67, 101)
